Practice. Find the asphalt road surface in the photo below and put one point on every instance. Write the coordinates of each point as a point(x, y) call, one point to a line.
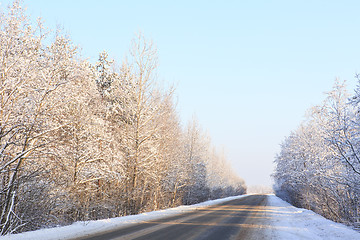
point(237, 219)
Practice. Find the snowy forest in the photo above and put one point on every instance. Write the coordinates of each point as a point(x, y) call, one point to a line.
point(86, 141)
point(318, 167)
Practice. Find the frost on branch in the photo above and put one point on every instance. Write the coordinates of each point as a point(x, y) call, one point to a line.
point(318, 167)
point(85, 142)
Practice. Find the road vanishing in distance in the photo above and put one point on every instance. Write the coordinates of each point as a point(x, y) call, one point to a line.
point(236, 219)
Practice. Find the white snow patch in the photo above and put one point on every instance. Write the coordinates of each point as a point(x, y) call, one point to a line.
point(289, 222)
point(79, 229)
point(282, 221)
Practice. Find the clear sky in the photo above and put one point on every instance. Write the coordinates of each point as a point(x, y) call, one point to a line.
point(248, 69)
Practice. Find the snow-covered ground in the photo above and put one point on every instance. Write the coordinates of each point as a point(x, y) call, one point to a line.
point(280, 221)
point(79, 228)
point(289, 222)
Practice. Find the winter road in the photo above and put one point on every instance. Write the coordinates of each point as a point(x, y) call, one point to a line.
point(237, 219)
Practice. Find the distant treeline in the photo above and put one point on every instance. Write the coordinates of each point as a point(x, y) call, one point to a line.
point(83, 142)
point(318, 167)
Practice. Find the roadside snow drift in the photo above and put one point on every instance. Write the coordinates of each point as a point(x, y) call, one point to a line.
point(289, 222)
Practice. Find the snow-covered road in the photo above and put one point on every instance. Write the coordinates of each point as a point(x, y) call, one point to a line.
point(276, 220)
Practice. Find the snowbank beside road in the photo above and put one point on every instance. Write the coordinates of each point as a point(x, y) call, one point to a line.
point(289, 222)
point(79, 229)
point(278, 219)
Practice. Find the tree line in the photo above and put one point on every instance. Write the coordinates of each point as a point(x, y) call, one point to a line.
point(318, 167)
point(82, 141)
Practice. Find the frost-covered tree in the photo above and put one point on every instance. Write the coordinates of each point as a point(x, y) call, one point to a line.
point(196, 158)
point(32, 76)
point(208, 173)
point(140, 112)
point(82, 142)
point(316, 167)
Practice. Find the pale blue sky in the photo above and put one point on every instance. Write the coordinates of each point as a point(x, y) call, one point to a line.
point(248, 69)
